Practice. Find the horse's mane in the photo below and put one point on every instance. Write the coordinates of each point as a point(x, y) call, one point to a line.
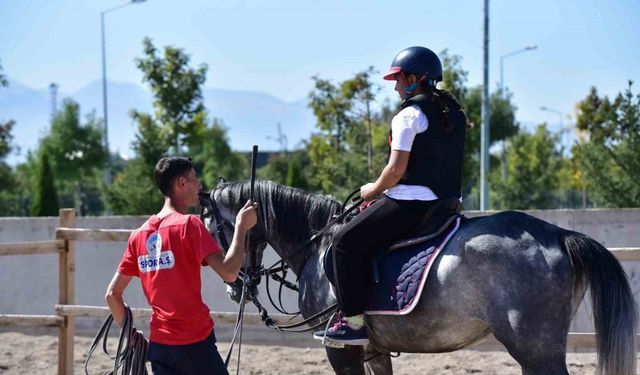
point(290, 213)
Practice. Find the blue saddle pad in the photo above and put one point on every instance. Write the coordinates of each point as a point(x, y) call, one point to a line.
point(402, 275)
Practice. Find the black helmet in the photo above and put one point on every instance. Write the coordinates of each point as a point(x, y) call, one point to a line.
point(416, 60)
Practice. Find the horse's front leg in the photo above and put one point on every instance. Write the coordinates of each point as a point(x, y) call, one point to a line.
point(377, 362)
point(348, 360)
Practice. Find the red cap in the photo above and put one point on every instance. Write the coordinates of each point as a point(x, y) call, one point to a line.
point(390, 75)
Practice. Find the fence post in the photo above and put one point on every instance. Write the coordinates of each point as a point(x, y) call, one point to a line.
point(66, 294)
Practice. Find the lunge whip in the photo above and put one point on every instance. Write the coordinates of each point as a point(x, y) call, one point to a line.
point(246, 281)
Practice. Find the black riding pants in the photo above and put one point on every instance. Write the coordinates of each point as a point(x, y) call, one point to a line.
point(378, 226)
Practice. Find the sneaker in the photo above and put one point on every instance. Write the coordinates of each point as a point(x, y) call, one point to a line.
point(341, 333)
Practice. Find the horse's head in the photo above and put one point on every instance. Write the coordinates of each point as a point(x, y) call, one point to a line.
point(220, 208)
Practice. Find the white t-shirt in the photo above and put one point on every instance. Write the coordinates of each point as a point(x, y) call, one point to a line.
point(404, 128)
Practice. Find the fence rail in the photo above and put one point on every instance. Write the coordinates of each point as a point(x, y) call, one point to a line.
point(37, 247)
point(66, 311)
point(145, 313)
point(31, 320)
point(626, 253)
point(85, 234)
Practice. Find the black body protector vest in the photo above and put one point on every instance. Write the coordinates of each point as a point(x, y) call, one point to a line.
point(436, 155)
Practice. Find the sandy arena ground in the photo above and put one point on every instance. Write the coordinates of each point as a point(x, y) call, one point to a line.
point(36, 353)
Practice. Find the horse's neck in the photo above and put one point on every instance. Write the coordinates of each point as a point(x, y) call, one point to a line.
point(295, 253)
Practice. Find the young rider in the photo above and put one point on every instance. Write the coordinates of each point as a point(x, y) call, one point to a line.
point(425, 165)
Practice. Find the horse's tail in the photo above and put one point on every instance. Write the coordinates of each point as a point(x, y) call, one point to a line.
point(614, 309)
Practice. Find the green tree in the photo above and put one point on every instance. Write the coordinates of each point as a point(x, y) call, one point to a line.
point(279, 165)
point(454, 77)
point(533, 171)
point(276, 169)
point(361, 92)
point(179, 125)
point(609, 157)
point(295, 176)
point(348, 131)
point(9, 190)
point(177, 91)
point(502, 124)
point(133, 191)
point(45, 200)
point(331, 109)
point(215, 157)
point(150, 143)
point(5, 138)
point(77, 156)
point(3, 78)
point(9, 205)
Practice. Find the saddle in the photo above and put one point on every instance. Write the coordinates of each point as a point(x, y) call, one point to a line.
point(434, 223)
point(399, 271)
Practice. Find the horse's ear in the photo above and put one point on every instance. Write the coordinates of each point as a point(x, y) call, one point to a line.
point(221, 180)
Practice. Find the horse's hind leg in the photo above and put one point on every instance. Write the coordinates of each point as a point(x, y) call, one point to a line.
point(347, 361)
point(535, 360)
point(536, 339)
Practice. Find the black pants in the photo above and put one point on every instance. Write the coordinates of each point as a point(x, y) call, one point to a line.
point(199, 358)
point(378, 226)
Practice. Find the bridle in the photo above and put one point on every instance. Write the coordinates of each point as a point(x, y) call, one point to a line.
point(251, 277)
point(207, 200)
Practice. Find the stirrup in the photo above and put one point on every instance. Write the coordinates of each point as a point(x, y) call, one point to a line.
point(330, 343)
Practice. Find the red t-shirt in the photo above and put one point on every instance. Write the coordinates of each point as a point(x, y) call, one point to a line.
point(166, 254)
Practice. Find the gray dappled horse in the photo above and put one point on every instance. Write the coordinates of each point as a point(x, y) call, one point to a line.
point(509, 274)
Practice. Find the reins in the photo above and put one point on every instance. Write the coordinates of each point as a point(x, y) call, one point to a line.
point(295, 327)
point(248, 276)
point(338, 218)
point(131, 354)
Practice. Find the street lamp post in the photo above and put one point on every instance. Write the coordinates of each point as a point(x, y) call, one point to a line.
point(562, 132)
point(485, 115)
point(557, 112)
point(503, 57)
point(107, 166)
point(504, 144)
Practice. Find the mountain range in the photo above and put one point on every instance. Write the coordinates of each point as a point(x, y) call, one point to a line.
point(250, 117)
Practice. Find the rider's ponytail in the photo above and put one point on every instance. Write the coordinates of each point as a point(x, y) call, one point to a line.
point(440, 98)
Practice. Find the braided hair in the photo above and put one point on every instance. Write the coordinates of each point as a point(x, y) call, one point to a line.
point(437, 97)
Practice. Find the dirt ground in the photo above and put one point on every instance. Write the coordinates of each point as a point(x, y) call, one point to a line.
point(36, 353)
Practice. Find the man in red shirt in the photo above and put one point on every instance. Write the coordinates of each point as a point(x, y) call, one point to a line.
point(166, 253)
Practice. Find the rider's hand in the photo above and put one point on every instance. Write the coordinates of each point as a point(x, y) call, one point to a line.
point(247, 216)
point(368, 191)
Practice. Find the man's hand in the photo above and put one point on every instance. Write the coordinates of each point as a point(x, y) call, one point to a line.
point(247, 217)
point(228, 266)
point(368, 191)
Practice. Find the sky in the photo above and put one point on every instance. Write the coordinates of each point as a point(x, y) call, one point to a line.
point(276, 46)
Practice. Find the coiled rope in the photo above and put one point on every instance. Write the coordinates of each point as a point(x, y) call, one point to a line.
point(131, 355)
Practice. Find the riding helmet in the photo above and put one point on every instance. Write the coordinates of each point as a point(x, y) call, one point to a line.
point(416, 60)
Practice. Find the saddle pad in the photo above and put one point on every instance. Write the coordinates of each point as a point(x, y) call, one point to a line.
point(402, 275)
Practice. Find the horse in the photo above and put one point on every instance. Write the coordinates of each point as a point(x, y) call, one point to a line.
point(507, 274)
